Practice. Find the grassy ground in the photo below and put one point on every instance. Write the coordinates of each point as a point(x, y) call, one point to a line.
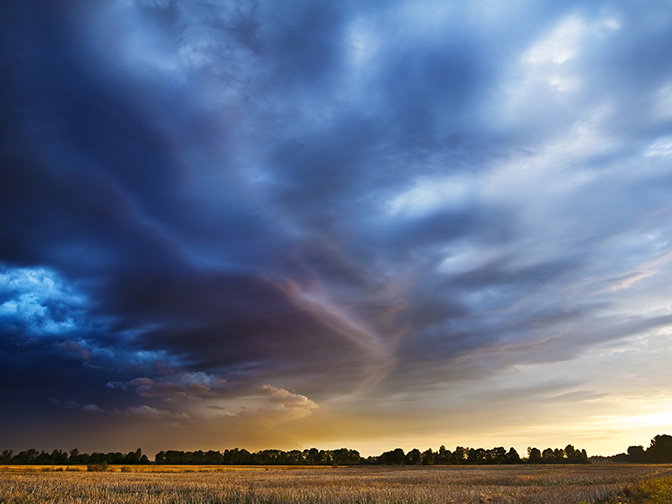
point(597, 483)
point(653, 491)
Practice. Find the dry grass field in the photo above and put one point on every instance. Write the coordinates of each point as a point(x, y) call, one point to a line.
point(597, 483)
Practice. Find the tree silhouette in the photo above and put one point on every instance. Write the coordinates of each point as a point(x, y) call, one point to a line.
point(534, 455)
point(512, 457)
point(413, 457)
point(428, 457)
point(394, 457)
point(661, 449)
point(636, 454)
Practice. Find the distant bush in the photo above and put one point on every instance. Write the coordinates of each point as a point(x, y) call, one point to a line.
point(97, 467)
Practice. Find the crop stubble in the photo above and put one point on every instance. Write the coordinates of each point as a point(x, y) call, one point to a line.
point(320, 485)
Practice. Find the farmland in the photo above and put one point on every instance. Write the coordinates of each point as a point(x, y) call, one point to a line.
point(603, 483)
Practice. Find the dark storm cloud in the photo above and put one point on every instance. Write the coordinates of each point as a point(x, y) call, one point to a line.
point(244, 201)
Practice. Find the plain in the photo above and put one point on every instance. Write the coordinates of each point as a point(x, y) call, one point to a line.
point(529, 484)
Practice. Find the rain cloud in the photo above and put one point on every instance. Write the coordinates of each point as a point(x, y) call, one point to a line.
point(230, 210)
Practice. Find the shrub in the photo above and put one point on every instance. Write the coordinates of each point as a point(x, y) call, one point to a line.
point(97, 467)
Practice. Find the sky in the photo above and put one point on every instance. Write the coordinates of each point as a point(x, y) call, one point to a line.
point(371, 225)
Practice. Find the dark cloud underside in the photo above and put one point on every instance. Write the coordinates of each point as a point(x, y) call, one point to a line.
point(268, 207)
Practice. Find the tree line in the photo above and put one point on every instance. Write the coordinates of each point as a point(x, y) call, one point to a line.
point(480, 456)
point(659, 451)
point(313, 456)
point(344, 456)
point(73, 457)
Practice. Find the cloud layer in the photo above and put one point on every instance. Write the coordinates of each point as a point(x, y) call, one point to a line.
point(237, 212)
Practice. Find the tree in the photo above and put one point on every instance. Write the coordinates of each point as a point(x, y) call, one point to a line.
point(512, 457)
point(497, 455)
point(533, 455)
point(133, 457)
point(442, 456)
point(428, 457)
point(26, 457)
point(343, 456)
point(636, 454)
point(584, 456)
point(6, 457)
point(548, 456)
point(559, 456)
point(570, 452)
point(58, 457)
point(413, 457)
point(313, 457)
point(574, 456)
point(477, 456)
point(395, 457)
point(459, 455)
point(661, 449)
point(74, 457)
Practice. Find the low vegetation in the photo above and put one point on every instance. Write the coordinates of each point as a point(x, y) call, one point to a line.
point(657, 491)
point(520, 484)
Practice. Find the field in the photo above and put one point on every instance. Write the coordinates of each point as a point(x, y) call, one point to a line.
point(596, 483)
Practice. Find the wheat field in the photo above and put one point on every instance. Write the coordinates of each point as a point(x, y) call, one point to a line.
point(597, 483)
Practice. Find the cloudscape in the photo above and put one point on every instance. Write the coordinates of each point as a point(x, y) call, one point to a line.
point(265, 224)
